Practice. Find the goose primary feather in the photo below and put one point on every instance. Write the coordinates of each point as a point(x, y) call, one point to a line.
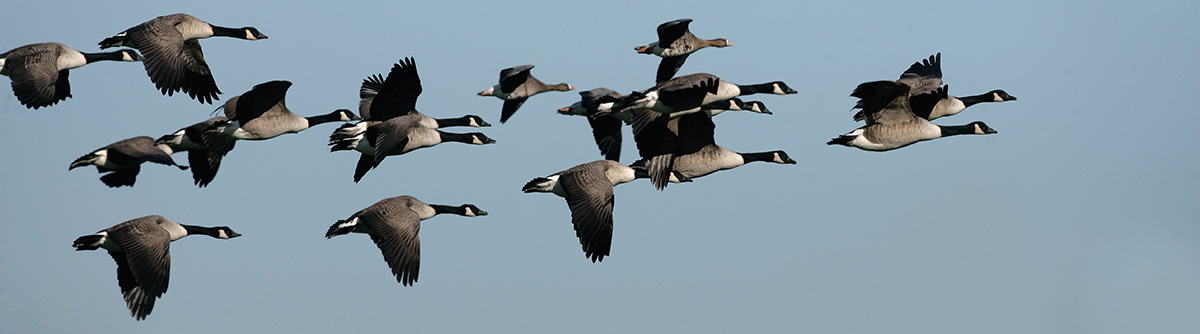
point(141, 248)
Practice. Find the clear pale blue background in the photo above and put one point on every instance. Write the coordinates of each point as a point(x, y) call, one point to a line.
point(1080, 216)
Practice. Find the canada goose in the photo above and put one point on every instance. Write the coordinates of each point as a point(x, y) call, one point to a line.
point(930, 99)
point(675, 43)
point(397, 136)
point(204, 162)
point(891, 123)
point(141, 248)
point(398, 97)
point(588, 189)
point(517, 85)
point(262, 114)
point(607, 130)
point(174, 60)
point(713, 158)
point(39, 71)
point(393, 224)
point(664, 141)
point(686, 94)
point(124, 159)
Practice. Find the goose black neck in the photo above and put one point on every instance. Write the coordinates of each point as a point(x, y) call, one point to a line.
point(445, 122)
point(440, 209)
point(954, 130)
point(209, 231)
point(228, 32)
point(457, 137)
point(971, 100)
point(766, 88)
point(314, 120)
point(758, 156)
point(94, 57)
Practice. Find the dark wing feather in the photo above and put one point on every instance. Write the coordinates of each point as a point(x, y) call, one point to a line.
point(259, 100)
point(643, 119)
point(36, 80)
point(204, 165)
point(607, 131)
point(670, 31)
point(668, 67)
point(365, 164)
point(510, 108)
point(590, 197)
point(513, 77)
point(395, 232)
point(689, 91)
point(173, 64)
point(592, 99)
point(390, 138)
point(661, 139)
point(659, 168)
point(924, 76)
point(366, 94)
point(220, 145)
point(147, 253)
point(884, 102)
point(399, 93)
point(923, 104)
point(121, 177)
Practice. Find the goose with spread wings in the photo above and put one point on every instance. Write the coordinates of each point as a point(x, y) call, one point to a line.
point(675, 43)
point(173, 58)
point(891, 123)
point(141, 248)
point(39, 71)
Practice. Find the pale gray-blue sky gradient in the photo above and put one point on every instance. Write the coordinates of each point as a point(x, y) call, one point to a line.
point(1079, 216)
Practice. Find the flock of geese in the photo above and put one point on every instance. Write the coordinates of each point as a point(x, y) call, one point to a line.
point(671, 121)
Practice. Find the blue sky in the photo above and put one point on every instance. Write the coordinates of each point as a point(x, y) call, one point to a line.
point(1079, 216)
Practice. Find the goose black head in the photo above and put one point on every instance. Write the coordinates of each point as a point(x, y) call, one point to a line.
point(782, 88)
point(253, 34)
point(345, 115)
point(470, 210)
point(1001, 96)
point(781, 157)
point(476, 121)
point(982, 129)
point(224, 232)
point(129, 55)
point(480, 139)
